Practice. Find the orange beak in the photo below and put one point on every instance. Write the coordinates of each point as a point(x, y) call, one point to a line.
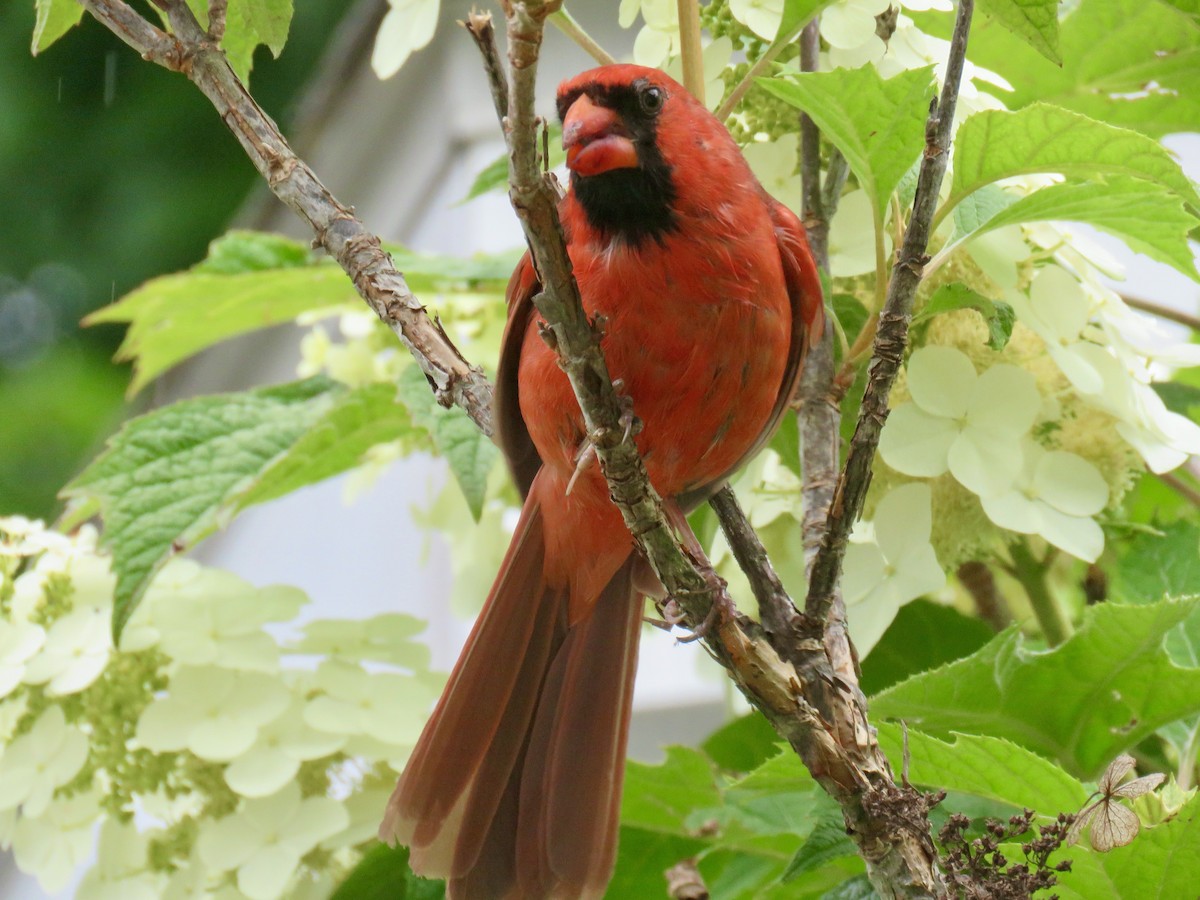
point(595, 139)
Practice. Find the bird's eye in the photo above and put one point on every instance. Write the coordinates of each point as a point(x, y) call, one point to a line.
point(651, 99)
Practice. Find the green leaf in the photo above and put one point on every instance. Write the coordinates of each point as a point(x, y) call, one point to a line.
point(743, 744)
point(857, 888)
point(251, 281)
point(878, 125)
point(1126, 62)
point(988, 767)
point(1162, 862)
point(1148, 217)
point(998, 315)
point(383, 874)
point(924, 635)
point(468, 451)
point(779, 797)
point(996, 144)
point(494, 176)
point(827, 841)
point(249, 23)
point(1154, 566)
point(169, 478)
point(361, 419)
point(1179, 397)
point(1034, 21)
point(979, 208)
point(1103, 690)
point(54, 19)
point(786, 442)
point(643, 856)
point(661, 798)
point(1190, 8)
point(797, 14)
point(850, 315)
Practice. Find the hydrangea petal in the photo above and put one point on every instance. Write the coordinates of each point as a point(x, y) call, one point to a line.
point(1058, 300)
point(1070, 484)
point(1081, 373)
point(919, 573)
point(261, 771)
point(317, 819)
point(1014, 511)
point(984, 463)
point(227, 843)
point(917, 443)
point(862, 569)
point(221, 738)
point(941, 380)
point(903, 520)
point(1005, 401)
point(1077, 535)
point(265, 875)
point(870, 617)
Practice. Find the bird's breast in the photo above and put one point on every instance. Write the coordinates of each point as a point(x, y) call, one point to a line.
point(697, 332)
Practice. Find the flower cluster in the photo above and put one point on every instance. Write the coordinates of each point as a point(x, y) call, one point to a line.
point(214, 768)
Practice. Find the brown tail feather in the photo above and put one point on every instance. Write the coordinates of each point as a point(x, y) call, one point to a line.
point(513, 789)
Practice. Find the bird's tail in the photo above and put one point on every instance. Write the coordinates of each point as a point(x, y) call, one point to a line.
point(513, 789)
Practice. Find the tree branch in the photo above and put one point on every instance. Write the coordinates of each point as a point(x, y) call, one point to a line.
point(892, 335)
point(1163, 312)
point(358, 251)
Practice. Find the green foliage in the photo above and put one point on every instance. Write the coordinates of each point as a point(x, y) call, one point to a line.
point(251, 281)
point(998, 315)
point(1160, 564)
point(995, 144)
point(384, 874)
point(878, 125)
point(169, 478)
point(924, 635)
point(54, 19)
point(1034, 21)
point(470, 454)
point(249, 23)
point(494, 176)
point(1148, 217)
point(1100, 692)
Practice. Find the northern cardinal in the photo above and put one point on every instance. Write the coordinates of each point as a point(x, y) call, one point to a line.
point(711, 296)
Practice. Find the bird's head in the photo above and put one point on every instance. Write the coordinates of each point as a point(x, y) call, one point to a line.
point(631, 134)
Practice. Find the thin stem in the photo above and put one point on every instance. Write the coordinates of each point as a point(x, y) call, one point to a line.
point(760, 66)
point(1163, 312)
point(1179, 486)
point(1031, 573)
point(880, 265)
point(565, 22)
point(690, 49)
point(980, 583)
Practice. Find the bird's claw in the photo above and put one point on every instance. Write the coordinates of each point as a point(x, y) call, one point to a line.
point(587, 452)
point(673, 615)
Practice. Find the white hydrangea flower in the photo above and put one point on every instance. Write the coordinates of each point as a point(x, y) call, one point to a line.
point(852, 236)
point(890, 564)
point(390, 708)
point(365, 809)
point(274, 758)
point(760, 16)
point(774, 164)
point(265, 840)
point(208, 616)
point(20, 536)
point(19, 641)
point(384, 638)
point(971, 425)
point(76, 651)
point(1057, 310)
point(1055, 496)
point(37, 763)
point(55, 843)
point(1140, 338)
point(660, 36)
point(1071, 248)
point(215, 713)
point(408, 27)
point(122, 869)
point(849, 24)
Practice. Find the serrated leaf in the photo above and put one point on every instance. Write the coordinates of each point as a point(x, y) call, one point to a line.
point(470, 454)
point(923, 636)
point(980, 207)
point(988, 767)
point(1148, 217)
point(996, 144)
point(54, 19)
point(660, 798)
point(251, 281)
point(827, 841)
point(743, 744)
point(797, 14)
point(1162, 862)
point(384, 874)
point(168, 478)
point(857, 888)
point(249, 23)
point(878, 125)
point(643, 855)
point(998, 316)
point(1098, 693)
point(1034, 21)
point(360, 419)
point(1154, 566)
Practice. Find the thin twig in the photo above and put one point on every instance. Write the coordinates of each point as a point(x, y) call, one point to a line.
point(565, 22)
point(725, 110)
point(689, 47)
point(216, 19)
point(190, 51)
point(483, 32)
point(1163, 312)
point(892, 334)
point(775, 607)
point(1181, 487)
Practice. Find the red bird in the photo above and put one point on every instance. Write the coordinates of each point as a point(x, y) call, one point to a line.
point(711, 296)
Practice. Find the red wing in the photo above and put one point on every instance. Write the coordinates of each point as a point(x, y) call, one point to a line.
point(808, 325)
point(511, 433)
